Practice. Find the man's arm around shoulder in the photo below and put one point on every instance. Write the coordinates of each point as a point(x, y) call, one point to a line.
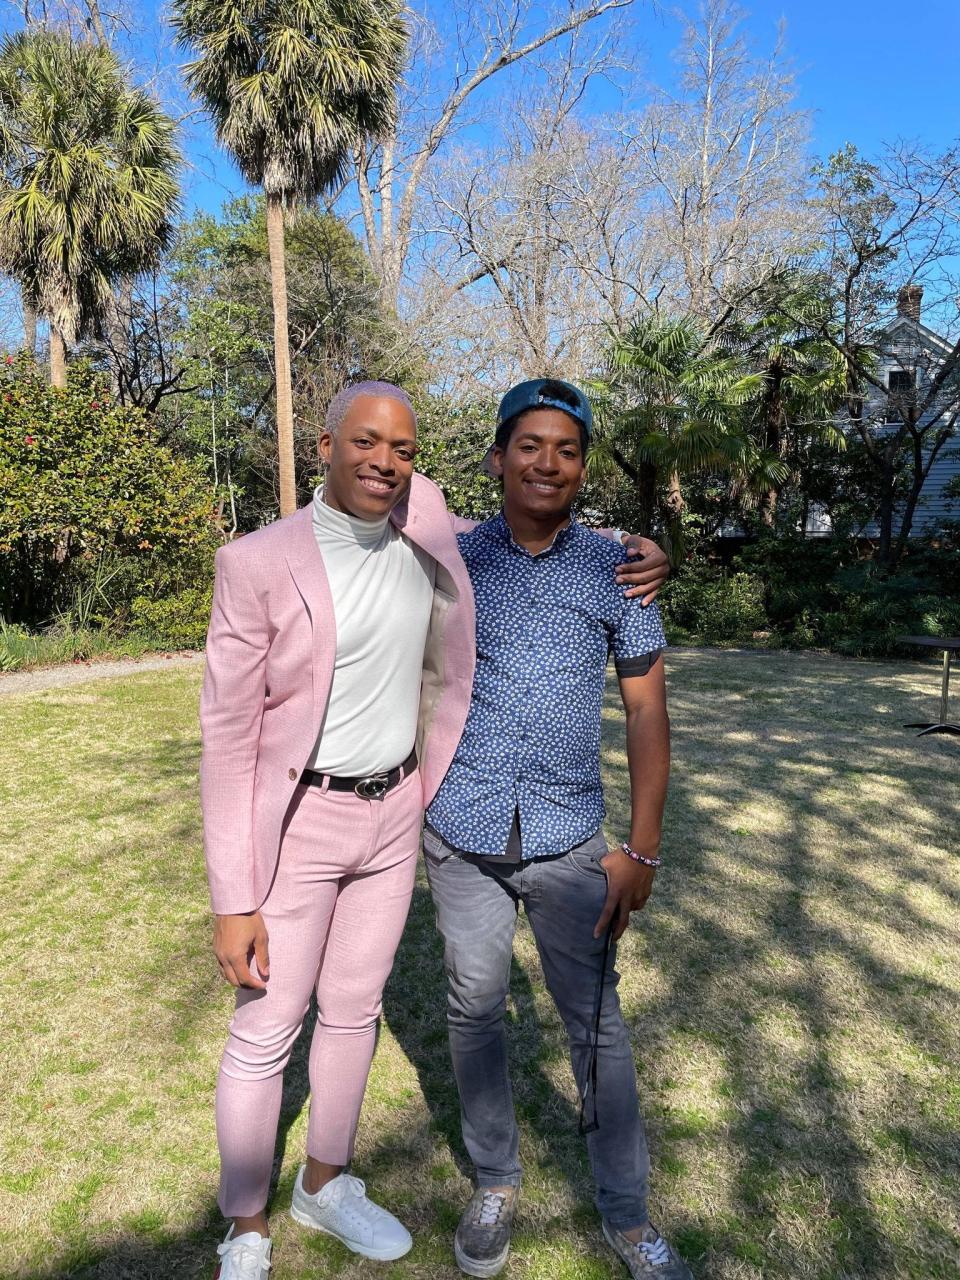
point(646, 567)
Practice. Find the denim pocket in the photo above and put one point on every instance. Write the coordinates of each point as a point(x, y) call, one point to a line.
point(586, 858)
point(587, 864)
point(434, 847)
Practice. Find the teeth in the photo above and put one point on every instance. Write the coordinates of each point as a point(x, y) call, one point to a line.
point(377, 485)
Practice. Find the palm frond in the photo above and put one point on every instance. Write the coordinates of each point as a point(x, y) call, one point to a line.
point(291, 88)
point(89, 185)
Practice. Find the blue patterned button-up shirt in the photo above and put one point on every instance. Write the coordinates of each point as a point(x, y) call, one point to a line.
point(546, 625)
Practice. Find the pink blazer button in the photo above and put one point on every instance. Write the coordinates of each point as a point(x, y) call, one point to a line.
point(292, 774)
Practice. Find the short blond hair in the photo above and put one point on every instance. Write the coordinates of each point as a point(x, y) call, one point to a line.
point(341, 402)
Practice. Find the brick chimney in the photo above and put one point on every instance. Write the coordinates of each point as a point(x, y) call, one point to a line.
point(908, 301)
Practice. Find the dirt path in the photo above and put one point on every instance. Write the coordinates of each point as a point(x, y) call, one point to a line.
point(79, 672)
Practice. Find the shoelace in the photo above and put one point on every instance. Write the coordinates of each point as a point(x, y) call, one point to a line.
point(491, 1206)
point(358, 1188)
point(244, 1258)
point(656, 1252)
point(356, 1185)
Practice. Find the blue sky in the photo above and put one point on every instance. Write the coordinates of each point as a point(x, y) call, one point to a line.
point(869, 71)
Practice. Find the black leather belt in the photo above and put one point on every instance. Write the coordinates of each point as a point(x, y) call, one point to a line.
point(373, 787)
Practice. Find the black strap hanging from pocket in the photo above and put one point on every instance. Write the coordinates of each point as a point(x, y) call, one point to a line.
point(590, 1084)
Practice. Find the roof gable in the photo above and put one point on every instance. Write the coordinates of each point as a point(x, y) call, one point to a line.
point(904, 328)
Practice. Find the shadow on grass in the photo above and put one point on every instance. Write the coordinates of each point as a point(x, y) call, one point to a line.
point(140, 1256)
point(755, 927)
point(804, 743)
point(802, 1149)
point(798, 1143)
point(149, 1253)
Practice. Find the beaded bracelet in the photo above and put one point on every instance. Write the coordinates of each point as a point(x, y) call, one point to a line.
point(638, 857)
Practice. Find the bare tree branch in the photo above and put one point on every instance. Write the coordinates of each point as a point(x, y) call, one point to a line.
point(495, 27)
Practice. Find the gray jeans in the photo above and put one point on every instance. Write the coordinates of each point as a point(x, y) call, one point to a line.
point(477, 900)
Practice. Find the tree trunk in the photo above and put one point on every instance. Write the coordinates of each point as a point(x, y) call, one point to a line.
point(119, 322)
point(906, 520)
point(644, 477)
point(673, 507)
point(884, 460)
point(95, 23)
point(920, 470)
point(58, 358)
point(674, 496)
point(647, 488)
point(281, 347)
point(29, 326)
point(772, 437)
point(885, 518)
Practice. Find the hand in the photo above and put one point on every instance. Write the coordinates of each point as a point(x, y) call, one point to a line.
point(645, 570)
point(629, 885)
point(235, 940)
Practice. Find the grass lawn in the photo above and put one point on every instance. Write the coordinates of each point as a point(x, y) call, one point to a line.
point(793, 988)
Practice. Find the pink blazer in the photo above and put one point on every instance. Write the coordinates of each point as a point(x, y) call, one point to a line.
point(270, 655)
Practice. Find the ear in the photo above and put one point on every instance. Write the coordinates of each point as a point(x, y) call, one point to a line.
point(496, 462)
point(325, 446)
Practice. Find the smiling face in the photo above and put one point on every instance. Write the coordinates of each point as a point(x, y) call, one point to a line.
point(542, 466)
point(370, 457)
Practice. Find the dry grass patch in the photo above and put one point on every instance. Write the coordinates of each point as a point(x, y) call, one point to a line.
point(794, 988)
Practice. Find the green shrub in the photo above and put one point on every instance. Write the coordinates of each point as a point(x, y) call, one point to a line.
point(85, 484)
point(16, 646)
point(712, 607)
point(824, 594)
point(174, 622)
point(872, 613)
point(452, 442)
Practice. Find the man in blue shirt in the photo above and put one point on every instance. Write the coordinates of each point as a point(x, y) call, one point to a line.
point(518, 819)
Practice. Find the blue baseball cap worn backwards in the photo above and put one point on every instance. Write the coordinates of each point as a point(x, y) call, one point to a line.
point(546, 393)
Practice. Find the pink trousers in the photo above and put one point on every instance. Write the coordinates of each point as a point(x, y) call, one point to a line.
point(334, 917)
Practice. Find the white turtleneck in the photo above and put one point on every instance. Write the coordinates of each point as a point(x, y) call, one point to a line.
point(382, 587)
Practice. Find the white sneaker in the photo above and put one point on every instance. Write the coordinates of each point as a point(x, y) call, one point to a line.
point(342, 1209)
point(245, 1257)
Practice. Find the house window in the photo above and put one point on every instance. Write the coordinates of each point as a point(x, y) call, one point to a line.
point(900, 384)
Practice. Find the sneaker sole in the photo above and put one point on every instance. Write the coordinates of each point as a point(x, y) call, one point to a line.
point(474, 1267)
point(377, 1255)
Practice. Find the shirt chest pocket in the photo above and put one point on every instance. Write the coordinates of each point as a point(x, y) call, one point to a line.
point(571, 638)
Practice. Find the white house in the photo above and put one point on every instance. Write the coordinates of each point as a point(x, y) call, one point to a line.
point(909, 356)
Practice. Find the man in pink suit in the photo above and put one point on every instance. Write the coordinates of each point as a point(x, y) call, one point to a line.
point(340, 663)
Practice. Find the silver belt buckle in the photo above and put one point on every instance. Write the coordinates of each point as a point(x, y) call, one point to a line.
point(373, 788)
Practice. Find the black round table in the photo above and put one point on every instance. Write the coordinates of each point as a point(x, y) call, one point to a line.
point(950, 645)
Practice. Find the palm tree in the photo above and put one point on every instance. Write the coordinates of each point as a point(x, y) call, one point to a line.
point(88, 185)
point(29, 307)
point(292, 87)
point(672, 405)
point(802, 375)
